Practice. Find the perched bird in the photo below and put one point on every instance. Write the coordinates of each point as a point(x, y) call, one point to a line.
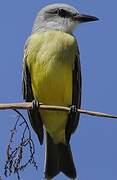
point(52, 76)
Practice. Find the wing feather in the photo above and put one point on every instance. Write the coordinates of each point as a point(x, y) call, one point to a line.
point(72, 122)
point(34, 115)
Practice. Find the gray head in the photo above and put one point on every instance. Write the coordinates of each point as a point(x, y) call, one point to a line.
point(60, 17)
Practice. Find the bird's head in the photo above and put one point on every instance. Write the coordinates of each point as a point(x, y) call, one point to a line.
point(61, 17)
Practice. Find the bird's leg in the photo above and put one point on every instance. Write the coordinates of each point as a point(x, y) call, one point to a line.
point(35, 104)
point(72, 111)
point(72, 117)
point(71, 122)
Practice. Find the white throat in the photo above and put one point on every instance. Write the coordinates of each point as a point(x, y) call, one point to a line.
point(65, 25)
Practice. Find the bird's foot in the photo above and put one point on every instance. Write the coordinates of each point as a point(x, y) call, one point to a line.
point(35, 104)
point(70, 126)
point(73, 110)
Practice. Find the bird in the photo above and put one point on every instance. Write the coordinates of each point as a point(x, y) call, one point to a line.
point(52, 76)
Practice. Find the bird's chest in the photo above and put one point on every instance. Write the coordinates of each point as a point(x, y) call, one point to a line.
point(51, 66)
point(52, 80)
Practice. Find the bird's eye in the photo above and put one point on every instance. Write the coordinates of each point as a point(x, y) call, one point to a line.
point(62, 12)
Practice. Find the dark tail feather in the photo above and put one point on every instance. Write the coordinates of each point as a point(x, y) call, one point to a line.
point(66, 161)
point(52, 158)
point(58, 159)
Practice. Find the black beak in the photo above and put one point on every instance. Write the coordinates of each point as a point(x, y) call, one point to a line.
point(82, 18)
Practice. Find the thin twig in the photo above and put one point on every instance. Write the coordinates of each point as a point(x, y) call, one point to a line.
point(15, 162)
point(28, 105)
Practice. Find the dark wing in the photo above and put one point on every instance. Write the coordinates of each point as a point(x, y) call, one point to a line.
point(34, 115)
point(73, 119)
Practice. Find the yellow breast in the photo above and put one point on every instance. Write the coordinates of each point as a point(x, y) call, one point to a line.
point(50, 59)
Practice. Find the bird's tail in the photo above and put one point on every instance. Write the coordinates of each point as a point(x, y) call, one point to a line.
point(58, 159)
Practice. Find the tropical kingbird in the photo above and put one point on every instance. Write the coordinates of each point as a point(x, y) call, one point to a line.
point(52, 76)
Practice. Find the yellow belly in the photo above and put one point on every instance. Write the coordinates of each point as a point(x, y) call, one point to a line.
point(51, 76)
point(54, 87)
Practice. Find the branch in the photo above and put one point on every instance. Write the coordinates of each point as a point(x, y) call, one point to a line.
point(15, 162)
point(28, 105)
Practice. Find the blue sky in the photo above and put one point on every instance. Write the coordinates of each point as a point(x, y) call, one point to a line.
point(94, 144)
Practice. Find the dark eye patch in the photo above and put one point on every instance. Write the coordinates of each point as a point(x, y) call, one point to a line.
point(61, 12)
